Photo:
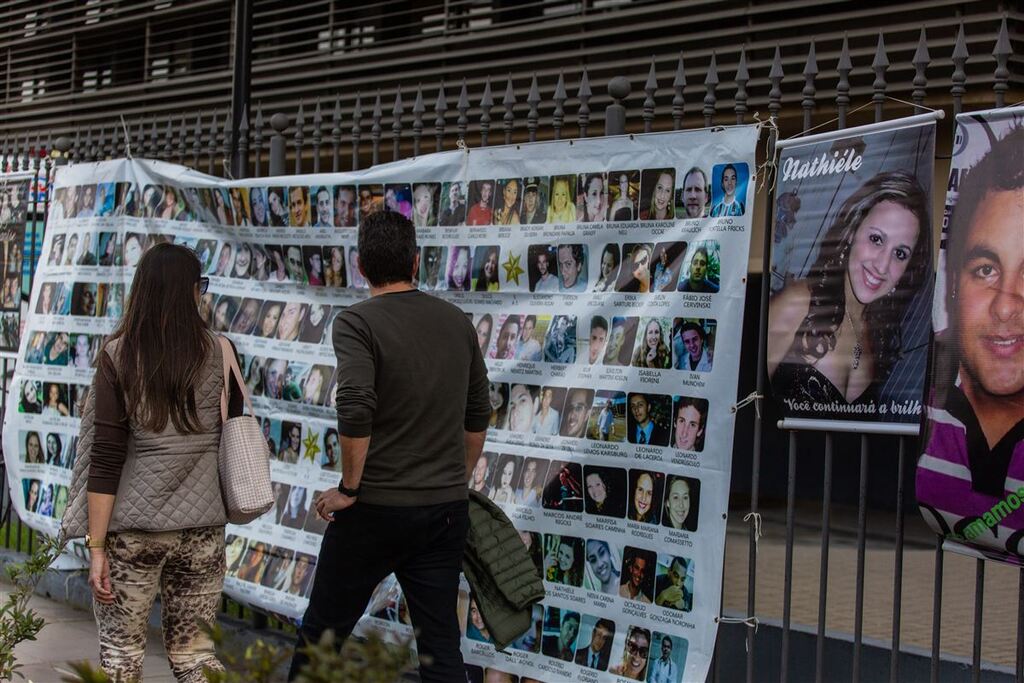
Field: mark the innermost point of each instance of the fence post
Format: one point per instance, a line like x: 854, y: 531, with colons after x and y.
x: 241, y: 85
x: 63, y: 146
x: 615, y: 113
x: 279, y: 122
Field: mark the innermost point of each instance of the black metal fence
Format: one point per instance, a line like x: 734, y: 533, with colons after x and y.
x: 844, y: 92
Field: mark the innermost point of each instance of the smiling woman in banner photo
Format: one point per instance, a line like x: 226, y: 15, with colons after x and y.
x: 839, y: 331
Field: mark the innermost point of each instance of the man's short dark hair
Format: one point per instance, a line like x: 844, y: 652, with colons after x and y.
x: 598, y: 322
x: 727, y: 167
x: 576, y: 250
x: 690, y: 325
x: 387, y: 248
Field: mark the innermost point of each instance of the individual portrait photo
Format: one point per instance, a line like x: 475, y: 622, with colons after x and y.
x: 561, y: 629
x: 205, y: 250
x: 254, y: 562
x: 293, y: 512
x: 648, y: 419
x: 81, y: 249
x: 666, y: 263
x: 645, y: 495
x: 314, y: 323
x: 453, y: 203
x: 105, y: 198
x: 298, y: 206
x: 542, y: 267
x: 83, y: 299
x: 509, y: 201
x: 594, y: 646
x: 355, y: 277
x: 152, y: 199
x: 224, y: 264
x: 564, y: 489
x: 701, y: 272
x: 560, y: 341
x: 330, y: 456
x: 693, y: 196
x: 597, y: 339
x: 562, y: 207
x: 433, y: 262
x: 224, y: 312
x: 623, y: 195
x: 258, y: 211
x: 248, y: 316
x: 291, y: 442
x: 224, y: 210
x: 55, y: 352
x: 522, y: 403
x: 111, y: 298
x: 291, y: 388
x: 476, y: 629
x: 608, y: 267
x: 592, y: 198
x: 80, y: 351
x: 65, y: 203
x: 603, y: 572
x: 109, y: 249
x: 371, y: 200
x: 56, y: 255
x: 480, y: 202
x: 572, y: 268
x: 657, y: 191
x: 345, y: 206
x: 652, y: 349
x: 532, y: 332
x: 530, y: 487
x: 294, y: 263
x: 86, y: 201
x: 674, y: 587
x: 271, y: 432
x: 302, y: 574
x: 314, y: 384
x: 635, y: 272
x: 172, y: 205
x: 425, y: 199
x: 206, y: 302
x: 563, y: 559
x: 56, y: 454
x: 135, y: 245
x: 47, y: 297
x: 576, y: 412
x: 31, y: 451
x: 334, y: 266
x: 607, y: 421
x: 398, y: 199
x: 277, y: 203
x: 460, y: 264
x: 274, y: 378
x: 621, y: 338
x: 485, y: 273
x: 79, y: 396
x: 36, y: 347
x: 534, y: 543
x: 30, y: 490
x: 605, y: 491
x: 279, y: 570
x: 548, y: 414
x: 728, y: 189
x: 241, y: 268
x: 638, y: 571
x: 693, y: 344
x: 323, y: 206
x: 206, y: 211
x: 313, y: 260
x: 506, y: 474
x: 535, y: 201
x: 690, y: 416
x: 483, y: 470
x: 668, y: 658
x: 682, y: 503
x: 125, y: 202
x: 273, y: 264
x: 484, y: 327
x: 314, y: 524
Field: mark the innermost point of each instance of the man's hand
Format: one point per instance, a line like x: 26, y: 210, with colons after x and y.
x: 330, y: 501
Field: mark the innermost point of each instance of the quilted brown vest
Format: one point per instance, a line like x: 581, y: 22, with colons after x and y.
x: 169, y: 480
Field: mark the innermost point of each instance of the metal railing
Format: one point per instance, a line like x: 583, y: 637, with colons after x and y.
x: 320, y: 139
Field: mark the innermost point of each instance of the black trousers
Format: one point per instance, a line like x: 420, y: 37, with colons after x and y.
x: 423, y: 547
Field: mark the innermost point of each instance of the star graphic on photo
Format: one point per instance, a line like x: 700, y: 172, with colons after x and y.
x: 310, y: 442
x: 512, y: 268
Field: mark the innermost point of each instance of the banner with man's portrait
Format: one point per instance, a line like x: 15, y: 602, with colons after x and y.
x: 970, y: 475
x: 851, y: 275
x: 14, y: 204
x: 608, y: 304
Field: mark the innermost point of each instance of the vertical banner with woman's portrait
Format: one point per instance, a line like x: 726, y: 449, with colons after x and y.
x: 14, y: 201
x: 851, y: 276
x: 970, y: 476
x: 606, y: 280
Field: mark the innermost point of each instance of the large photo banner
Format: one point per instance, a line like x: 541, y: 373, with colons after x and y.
x: 14, y: 205
x: 970, y: 476
x: 606, y: 281
x: 851, y: 275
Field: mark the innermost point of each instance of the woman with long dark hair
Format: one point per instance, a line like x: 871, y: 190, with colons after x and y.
x: 151, y: 493
x: 845, y: 318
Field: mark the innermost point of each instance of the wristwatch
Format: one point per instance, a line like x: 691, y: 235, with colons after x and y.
x: 91, y: 542
x: 351, y: 493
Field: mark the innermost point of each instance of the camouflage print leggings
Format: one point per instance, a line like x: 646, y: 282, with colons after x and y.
x: 187, y: 568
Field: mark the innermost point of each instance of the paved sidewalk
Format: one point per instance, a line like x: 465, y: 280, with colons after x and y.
x: 70, y: 635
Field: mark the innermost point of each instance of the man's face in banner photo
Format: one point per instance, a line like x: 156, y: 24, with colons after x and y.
x: 989, y: 301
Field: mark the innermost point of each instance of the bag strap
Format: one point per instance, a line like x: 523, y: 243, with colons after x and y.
x: 231, y: 368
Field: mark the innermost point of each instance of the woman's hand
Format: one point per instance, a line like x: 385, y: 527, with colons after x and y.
x: 99, y: 576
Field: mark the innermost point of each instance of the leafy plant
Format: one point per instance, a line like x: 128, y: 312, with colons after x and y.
x: 18, y: 622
